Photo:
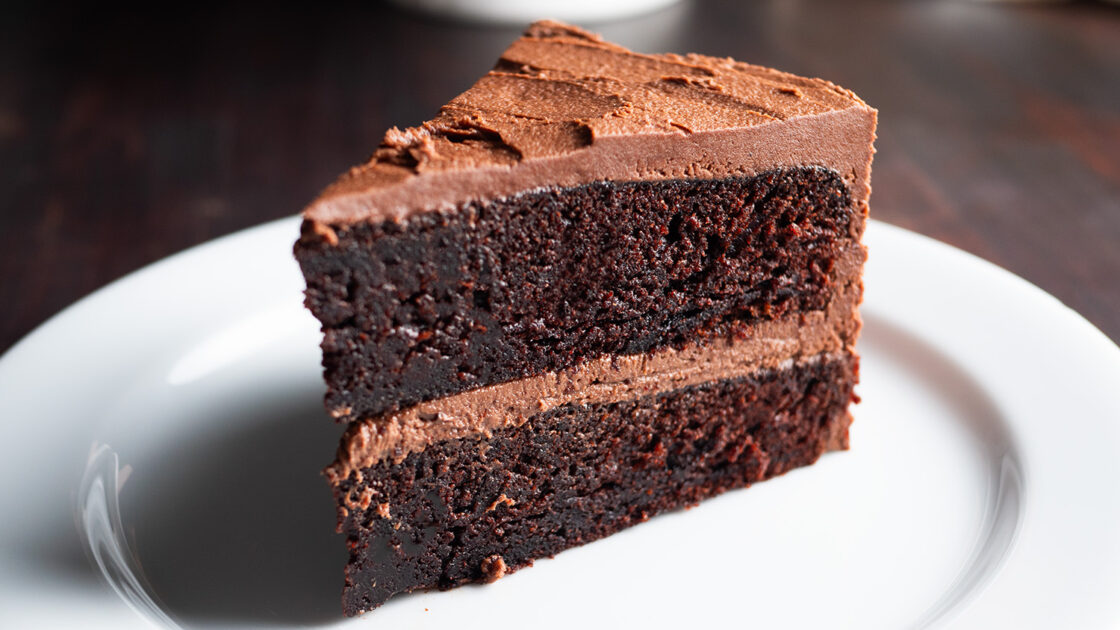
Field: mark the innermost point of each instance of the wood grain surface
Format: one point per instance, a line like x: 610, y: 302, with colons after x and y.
x: 125, y: 137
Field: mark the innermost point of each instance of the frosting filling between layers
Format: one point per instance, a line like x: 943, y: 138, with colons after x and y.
x: 767, y: 345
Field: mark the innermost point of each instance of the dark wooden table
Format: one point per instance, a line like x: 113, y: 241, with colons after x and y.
x: 127, y: 137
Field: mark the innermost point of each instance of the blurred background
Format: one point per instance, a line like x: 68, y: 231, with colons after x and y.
x: 128, y: 136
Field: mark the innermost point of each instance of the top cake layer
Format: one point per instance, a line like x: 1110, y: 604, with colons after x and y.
x: 564, y: 108
x: 582, y: 201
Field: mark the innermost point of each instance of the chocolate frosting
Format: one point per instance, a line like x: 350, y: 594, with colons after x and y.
x: 768, y: 345
x: 564, y: 108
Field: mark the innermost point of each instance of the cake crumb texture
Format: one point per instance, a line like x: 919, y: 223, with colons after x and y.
x: 579, y: 473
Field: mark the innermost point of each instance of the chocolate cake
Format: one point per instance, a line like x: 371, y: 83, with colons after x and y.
x: 597, y: 286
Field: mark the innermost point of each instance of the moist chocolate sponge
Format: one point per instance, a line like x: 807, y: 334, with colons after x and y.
x: 497, y: 290
x: 470, y: 510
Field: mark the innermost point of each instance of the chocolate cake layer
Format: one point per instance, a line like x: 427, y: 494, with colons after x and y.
x: 473, y: 509
x: 499, y: 290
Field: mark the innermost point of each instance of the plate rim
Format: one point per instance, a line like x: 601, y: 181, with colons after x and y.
x: 1096, y: 347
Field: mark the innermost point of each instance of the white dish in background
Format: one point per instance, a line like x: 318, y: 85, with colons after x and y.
x: 979, y: 492
x: 522, y: 12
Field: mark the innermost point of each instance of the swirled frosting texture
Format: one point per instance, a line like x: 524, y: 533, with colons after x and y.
x: 563, y: 108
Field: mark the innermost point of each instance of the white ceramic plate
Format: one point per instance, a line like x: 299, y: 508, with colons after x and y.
x: 980, y: 490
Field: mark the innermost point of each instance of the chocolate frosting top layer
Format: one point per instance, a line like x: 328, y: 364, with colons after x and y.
x: 564, y: 108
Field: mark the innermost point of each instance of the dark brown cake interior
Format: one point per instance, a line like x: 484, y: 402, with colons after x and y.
x: 508, y: 288
x: 470, y: 510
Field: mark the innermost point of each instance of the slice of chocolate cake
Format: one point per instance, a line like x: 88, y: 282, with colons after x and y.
x: 599, y: 285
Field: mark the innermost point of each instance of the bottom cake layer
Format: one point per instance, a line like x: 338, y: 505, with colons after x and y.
x: 473, y: 509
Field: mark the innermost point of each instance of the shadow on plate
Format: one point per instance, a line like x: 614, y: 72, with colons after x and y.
x: 985, y: 420
x: 235, y: 523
